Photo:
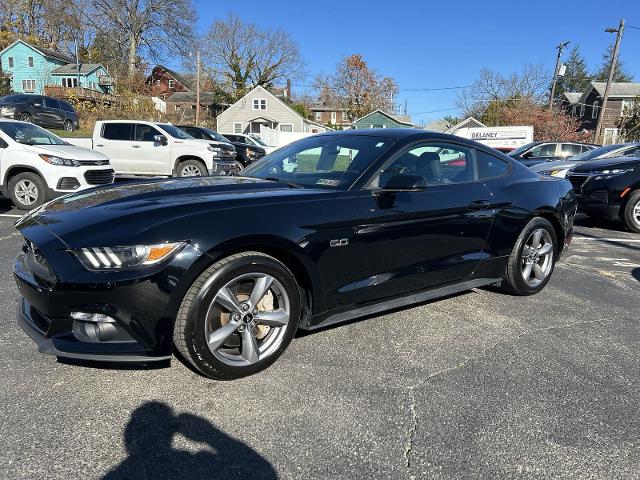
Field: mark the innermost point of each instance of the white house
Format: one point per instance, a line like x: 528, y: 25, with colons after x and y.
x: 261, y: 113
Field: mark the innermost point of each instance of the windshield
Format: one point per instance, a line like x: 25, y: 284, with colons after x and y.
x: 331, y: 161
x: 30, y: 134
x: 216, y: 136
x: 521, y: 149
x: 595, y: 153
x: 175, y: 132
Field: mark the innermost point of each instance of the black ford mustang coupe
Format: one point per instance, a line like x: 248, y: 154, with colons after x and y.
x: 329, y: 228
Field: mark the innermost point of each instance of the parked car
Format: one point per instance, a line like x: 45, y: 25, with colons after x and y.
x: 609, y: 188
x: 36, y: 165
x: 560, y: 168
x: 228, y: 268
x: 241, y: 138
x: 245, y: 153
x: 539, y: 152
x: 43, y: 111
x: 149, y: 148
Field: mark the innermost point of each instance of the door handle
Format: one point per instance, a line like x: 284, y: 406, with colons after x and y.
x: 480, y: 205
x: 100, y: 145
x: 135, y: 146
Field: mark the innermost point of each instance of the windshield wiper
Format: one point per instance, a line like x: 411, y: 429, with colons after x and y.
x: 286, y: 182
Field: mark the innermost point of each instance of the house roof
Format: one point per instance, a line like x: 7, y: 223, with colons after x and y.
x: 183, y: 79
x: 388, y: 115
x: 466, y: 123
x: 439, y: 126
x: 617, y: 89
x: 72, y: 69
x: 573, y: 97
x: 47, y: 52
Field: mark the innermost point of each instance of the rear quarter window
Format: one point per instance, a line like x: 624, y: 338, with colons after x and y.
x: 489, y: 166
x: 117, y: 131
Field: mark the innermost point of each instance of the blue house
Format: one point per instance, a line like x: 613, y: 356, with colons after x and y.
x: 36, y: 70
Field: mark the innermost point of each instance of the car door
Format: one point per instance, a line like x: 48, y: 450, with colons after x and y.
x: 51, y: 110
x: 38, y: 111
x: 540, y: 153
x: 115, y: 141
x: 568, y: 150
x: 149, y: 156
x: 409, y: 241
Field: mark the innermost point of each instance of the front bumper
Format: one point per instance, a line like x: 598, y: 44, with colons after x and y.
x: 224, y: 167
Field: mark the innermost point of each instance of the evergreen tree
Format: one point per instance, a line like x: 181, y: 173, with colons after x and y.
x: 576, y: 76
x: 602, y: 73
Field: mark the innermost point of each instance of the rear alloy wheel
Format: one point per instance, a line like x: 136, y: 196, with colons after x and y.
x: 27, y: 191
x: 632, y: 212
x: 68, y: 126
x: 532, y: 260
x: 191, y: 168
x: 25, y: 117
x: 238, y: 316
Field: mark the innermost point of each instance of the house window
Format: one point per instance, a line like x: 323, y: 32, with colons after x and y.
x: 70, y: 82
x: 286, y: 127
x: 30, y: 60
x: 318, y: 116
x: 158, y: 82
x: 28, y: 86
x: 178, y: 106
x: 610, y: 136
x: 573, y: 110
x: 259, y: 103
x: 171, y: 83
x: 595, y: 109
x: 627, y: 107
x: 582, y: 110
x: 237, y: 128
x: 193, y: 106
x: 345, y: 117
x: 10, y: 62
x: 334, y: 117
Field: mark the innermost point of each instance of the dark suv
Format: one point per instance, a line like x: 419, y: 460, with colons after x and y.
x: 246, y: 154
x: 43, y: 111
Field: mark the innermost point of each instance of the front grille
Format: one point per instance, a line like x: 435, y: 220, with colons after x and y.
x: 94, y: 162
x: 578, y: 181
x: 99, y: 177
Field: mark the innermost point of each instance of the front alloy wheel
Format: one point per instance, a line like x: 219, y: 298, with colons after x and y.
x: 537, y: 257
x: 238, y: 316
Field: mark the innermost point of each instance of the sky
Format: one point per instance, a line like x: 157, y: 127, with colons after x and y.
x: 423, y: 44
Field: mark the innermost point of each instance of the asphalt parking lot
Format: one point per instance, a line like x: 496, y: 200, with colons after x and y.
x: 475, y: 385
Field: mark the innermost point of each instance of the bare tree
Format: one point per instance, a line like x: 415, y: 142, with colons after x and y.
x: 146, y: 27
x: 245, y: 55
x: 531, y: 83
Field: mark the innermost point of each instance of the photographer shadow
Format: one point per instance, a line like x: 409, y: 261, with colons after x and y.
x: 149, y: 438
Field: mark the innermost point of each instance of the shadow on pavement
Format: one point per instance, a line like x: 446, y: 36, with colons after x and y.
x: 591, y: 222
x: 149, y: 439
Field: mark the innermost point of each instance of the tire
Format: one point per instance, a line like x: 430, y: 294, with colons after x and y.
x: 631, y: 215
x: 191, y: 168
x: 68, y: 126
x: 27, y: 190
x: 523, y: 255
x: 240, y: 165
x: 25, y: 117
x: 207, y: 313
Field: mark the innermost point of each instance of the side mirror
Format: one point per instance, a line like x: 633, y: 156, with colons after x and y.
x: 160, y: 139
x: 36, y: 105
x: 404, y: 183
x: 528, y: 154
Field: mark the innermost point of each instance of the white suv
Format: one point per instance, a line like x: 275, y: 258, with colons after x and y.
x: 36, y: 165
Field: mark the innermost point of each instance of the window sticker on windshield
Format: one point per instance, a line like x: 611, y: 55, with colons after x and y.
x: 379, y: 144
x: 328, y: 182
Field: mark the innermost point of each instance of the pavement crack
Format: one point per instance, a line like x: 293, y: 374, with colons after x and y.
x: 412, y: 430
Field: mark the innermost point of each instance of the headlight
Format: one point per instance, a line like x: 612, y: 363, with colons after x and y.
x: 7, y: 110
x: 115, y: 258
x: 610, y: 173
x: 560, y: 172
x: 64, y: 162
x: 214, y: 149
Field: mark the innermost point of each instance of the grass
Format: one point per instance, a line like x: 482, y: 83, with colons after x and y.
x: 74, y: 134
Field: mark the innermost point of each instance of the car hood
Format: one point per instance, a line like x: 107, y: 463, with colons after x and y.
x: 604, y: 163
x: 67, y: 151
x: 556, y: 165
x: 135, y: 207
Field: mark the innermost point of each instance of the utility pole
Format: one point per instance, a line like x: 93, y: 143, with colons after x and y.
x: 560, y: 48
x: 612, y: 69
x: 197, y: 88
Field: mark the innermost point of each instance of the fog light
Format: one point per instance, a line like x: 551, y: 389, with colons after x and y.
x: 92, y: 317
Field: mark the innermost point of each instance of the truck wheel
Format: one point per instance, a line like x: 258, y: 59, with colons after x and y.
x: 191, y: 168
x: 632, y: 212
x: 68, y: 126
x: 27, y: 191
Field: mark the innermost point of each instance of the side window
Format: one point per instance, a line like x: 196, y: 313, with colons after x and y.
x: 438, y: 163
x: 117, y: 131
x: 570, y: 149
x: 632, y: 152
x: 145, y: 133
x: 51, y: 103
x: 194, y: 132
x: 65, y: 106
x: 232, y: 138
x: 488, y: 166
x: 544, y: 150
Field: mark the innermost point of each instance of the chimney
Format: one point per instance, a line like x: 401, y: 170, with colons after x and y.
x: 287, y: 93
